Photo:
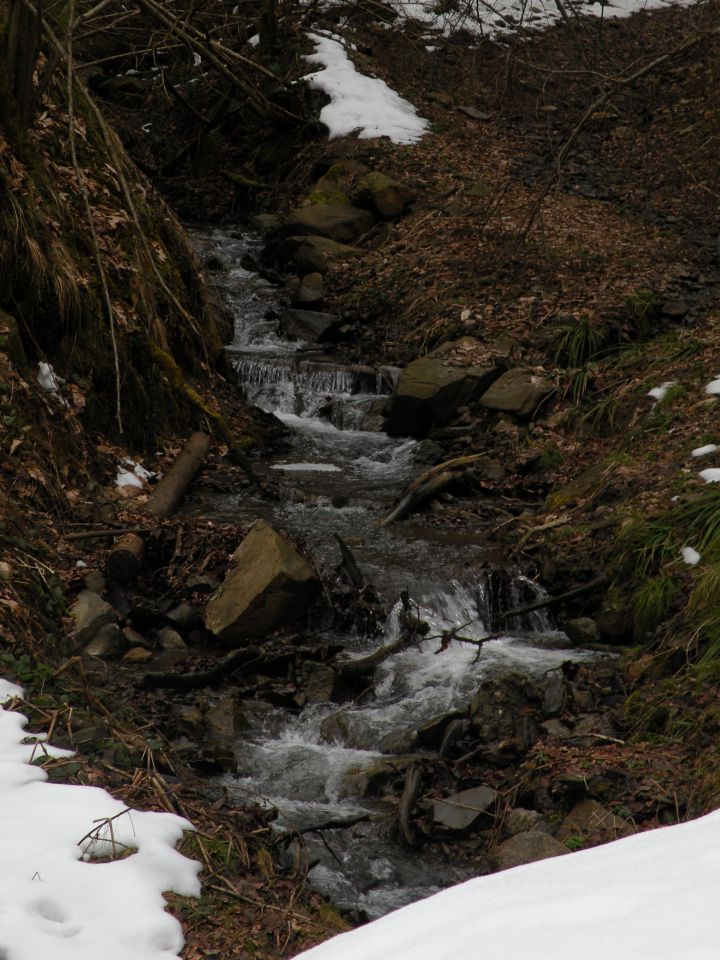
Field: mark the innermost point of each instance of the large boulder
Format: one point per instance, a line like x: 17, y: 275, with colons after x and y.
x: 336, y: 221
x: 315, y: 254
x: 431, y: 389
x: 518, y: 391
x: 269, y: 585
x: 386, y: 197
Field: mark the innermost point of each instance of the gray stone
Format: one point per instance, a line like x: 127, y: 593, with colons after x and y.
x: 318, y: 681
x: 431, y: 733
x: 526, y: 847
x: 335, y: 728
x: 186, y: 615
x: 225, y: 720
x: 388, y: 198
x: 521, y: 820
x: 554, y: 728
x: 170, y: 641
x: 336, y: 221
x: 590, y: 821
x: 316, y: 254
x: 474, y: 114
x: 89, y: 613
x: 460, y: 811
x: 431, y: 389
x: 269, y: 585
x: 187, y: 720
x: 518, y: 391
x: 398, y: 742
x: 201, y: 583
x: 309, y: 324
x: 554, y: 690
x: 108, y: 643
x: 94, y: 581
x: 310, y: 291
x: 582, y: 630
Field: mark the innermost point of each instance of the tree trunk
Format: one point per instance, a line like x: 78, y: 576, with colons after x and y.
x: 21, y: 49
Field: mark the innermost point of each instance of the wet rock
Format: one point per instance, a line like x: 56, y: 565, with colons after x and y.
x: 555, y: 691
x: 334, y: 729
x: 591, y: 822
x: 269, y: 585
x: 186, y: 615
x: 460, y: 811
x: 582, y: 630
x: 504, y: 712
x: 187, y: 720
x: 310, y: 291
x: 431, y: 733
x: 266, y: 222
x: 170, y: 641
x: 427, y: 453
x: 89, y: 613
x: 372, y: 781
x: 108, y: 643
x: 521, y: 820
x: 518, y: 391
x: 200, y: 583
x: 336, y: 221
x: 309, y: 324
x: 206, y: 759
x: 615, y: 622
x: 399, y: 742
x: 225, y: 720
x: 431, y: 389
x: 526, y: 847
x: 386, y: 197
x: 318, y: 254
x: 138, y: 655
x: 133, y: 638
x: 318, y: 681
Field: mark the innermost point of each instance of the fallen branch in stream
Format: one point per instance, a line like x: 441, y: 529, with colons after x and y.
x: 200, y: 678
x: 407, y: 800
x: 594, y: 584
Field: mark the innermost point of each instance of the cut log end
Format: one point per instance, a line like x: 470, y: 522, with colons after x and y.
x: 125, y: 558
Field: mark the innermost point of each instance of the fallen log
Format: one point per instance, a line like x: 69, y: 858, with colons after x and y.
x: 200, y: 678
x: 126, y: 555
x: 409, y: 795
x: 428, y: 483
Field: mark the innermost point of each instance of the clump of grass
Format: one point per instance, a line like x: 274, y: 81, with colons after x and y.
x: 578, y: 343
x: 652, y: 603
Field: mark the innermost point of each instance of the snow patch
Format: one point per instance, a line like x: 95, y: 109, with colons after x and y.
x: 359, y: 104
x: 48, y: 379
x: 652, y: 895
x: 657, y: 393
x: 713, y: 387
x: 55, y: 904
x: 704, y: 451
x: 690, y: 556
x: 132, y: 474
x: 711, y: 475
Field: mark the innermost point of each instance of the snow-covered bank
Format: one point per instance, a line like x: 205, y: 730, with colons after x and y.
x: 360, y: 104
x: 57, y: 900
x: 653, y: 895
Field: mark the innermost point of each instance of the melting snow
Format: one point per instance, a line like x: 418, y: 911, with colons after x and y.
x: 703, y: 451
x: 690, y: 556
x: 713, y: 387
x: 657, y: 393
x: 55, y: 904
x: 653, y: 895
x: 711, y: 475
x: 360, y: 104
x: 48, y: 379
x: 131, y: 474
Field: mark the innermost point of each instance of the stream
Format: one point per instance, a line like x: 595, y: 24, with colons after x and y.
x: 340, y: 475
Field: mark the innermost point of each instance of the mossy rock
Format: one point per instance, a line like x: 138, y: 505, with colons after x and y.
x: 386, y: 197
x: 325, y: 196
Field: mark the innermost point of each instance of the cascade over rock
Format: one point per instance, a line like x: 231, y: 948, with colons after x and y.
x: 432, y: 388
x: 269, y: 585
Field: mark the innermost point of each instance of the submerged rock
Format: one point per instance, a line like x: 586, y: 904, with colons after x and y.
x: 269, y: 585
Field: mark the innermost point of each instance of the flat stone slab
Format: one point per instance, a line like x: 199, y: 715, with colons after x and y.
x: 461, y: 810
x: 518, y: 391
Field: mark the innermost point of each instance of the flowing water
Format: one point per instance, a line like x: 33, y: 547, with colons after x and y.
x: 340, y: 475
